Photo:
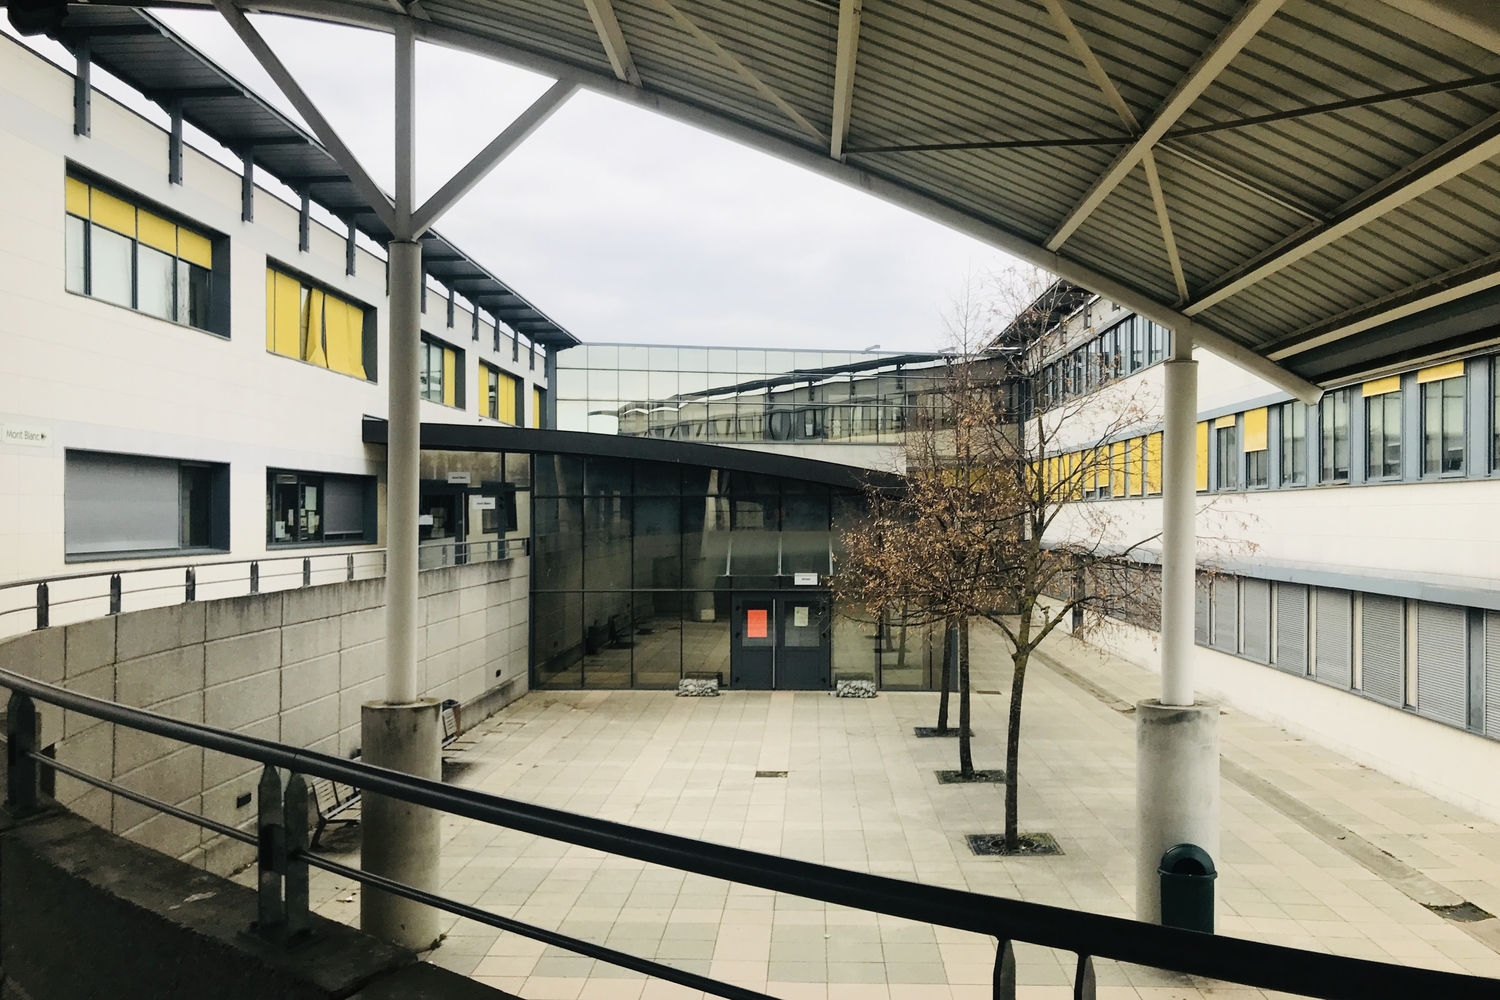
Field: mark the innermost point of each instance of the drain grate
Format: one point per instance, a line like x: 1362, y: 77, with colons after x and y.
x: 927, y: 732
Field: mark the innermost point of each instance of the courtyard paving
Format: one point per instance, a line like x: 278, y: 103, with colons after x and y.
x: 1317, y: 851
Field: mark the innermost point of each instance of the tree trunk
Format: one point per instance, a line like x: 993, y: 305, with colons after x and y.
x: 965, y: 750
x: 947, y: 680
x: 1013, y: 753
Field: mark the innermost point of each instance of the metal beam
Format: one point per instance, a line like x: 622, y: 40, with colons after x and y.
x: 174, y: 144
x: 83, y: 89
x: 1235, y: 36
x: 816, y: 161
x: 1454, y: 157
x: 850, y: 12
x: 308, y: 110
x: 304, y: 221
x: 489, y: 157
x: 1112, y: 95
x: 602, y: 12
x: 247, y: 186
x: 350, y: 250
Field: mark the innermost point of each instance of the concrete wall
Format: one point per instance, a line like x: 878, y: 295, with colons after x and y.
x: 292, y: 666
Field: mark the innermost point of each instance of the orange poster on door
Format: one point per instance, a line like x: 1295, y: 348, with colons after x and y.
x: 755, y: 623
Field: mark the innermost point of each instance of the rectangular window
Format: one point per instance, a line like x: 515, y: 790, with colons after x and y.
x: 1443, y: 396
x: 502, y: 395
x: 1294, y: 444
x: 130, y: 256
x: 536, y: 407
x: 1495, y: 418
x: 1226, y: 440
x: 1133, y: 466
x: 1158, y: 342
x: 440, y: 372
x: 1118, y: 486
x: 115, y: 505
x: 313, y: 325
x: 1201, y: 482
x: 1334, y: 414
x: 1383, y: 428
x: 309, y: 508
x: 1257, y: 449
x: 1137, y: 327
x: 1153, y: 464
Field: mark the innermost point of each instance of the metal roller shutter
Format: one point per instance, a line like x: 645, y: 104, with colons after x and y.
x: 1383, y: 647
x: 1226, y: 616
x: 1442, y: 663
x: 1256, y: 595
x: 1201, y: 611
x: 1333, y: 662
x: 1492, y: 673
x: 1291, y: 628
x: 120, y: 503
x: 343, y: 507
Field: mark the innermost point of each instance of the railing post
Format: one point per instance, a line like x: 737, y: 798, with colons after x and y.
x: 294, y: 818
x: 114, y: 593
x: 190, y: 585
x: 271, y: 855
x: 307, y: 571
x: 43, y: 610
x: 1005, y: 971
x: 21, y: 771
x: 1083, y: 979
x: 349, y: 562
x: 255, y: 578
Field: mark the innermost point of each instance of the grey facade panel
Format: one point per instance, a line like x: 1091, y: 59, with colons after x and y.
x: 1202, y: 610
x: 1333, y: 662
x: 1442, y: 663
x: 1383, y: 647
x: 1256, y: 611
x: 1492, y: 673
x: 1291, y: 628
x: 1226, y: 614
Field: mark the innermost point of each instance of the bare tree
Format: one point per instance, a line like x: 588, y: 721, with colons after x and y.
x: 991, y: 523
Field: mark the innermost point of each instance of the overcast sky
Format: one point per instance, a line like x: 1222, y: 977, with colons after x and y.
x: 621, y: 224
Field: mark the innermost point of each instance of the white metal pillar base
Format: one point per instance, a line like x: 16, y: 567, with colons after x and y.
x: 399, y: 840
x: 1176, y: 790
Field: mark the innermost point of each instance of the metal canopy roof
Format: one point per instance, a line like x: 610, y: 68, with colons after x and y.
x: 1277, y: 177
x: 146, y: 54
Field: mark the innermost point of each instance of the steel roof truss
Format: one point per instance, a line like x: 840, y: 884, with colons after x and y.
x: 850, y: 12
x: 602, y: 13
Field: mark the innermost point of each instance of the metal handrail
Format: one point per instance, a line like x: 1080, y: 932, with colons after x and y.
x: 1250, y: 963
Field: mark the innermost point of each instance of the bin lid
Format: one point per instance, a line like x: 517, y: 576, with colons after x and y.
x: 1187, y: 859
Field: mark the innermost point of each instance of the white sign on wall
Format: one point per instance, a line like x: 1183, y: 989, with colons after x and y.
x: 26, y: 434
x: 484, y: 503
x: 804, y: 579
x: 460, y: 478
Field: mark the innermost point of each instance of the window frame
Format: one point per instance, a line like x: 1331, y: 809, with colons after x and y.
x: 369, y: 352
x: 1462, y: 435
x: 1377, y: 459
x: 302, y: 478
x: 213, y: 475
x: 1328, y: 437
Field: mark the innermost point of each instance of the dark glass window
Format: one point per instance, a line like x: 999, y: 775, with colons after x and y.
x: 1335, y: 437
x: 1228, y: 456
x: 309, y: 507
x: 1294, y: 444
x: 1383, y: 435
x: 1443, y: 426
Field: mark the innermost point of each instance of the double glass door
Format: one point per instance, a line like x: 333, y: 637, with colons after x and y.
x: 781, y: 642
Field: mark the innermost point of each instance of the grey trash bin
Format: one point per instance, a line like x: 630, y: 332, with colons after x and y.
x: 1187, y: 888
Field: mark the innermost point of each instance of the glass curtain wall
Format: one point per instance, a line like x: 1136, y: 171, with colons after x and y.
x: 635, y: 565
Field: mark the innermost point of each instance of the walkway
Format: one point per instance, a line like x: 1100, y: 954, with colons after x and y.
x: 1303, y: 863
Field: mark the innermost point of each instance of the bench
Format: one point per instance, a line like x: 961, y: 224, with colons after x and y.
x: 450, y: 721
x: 332, y: 802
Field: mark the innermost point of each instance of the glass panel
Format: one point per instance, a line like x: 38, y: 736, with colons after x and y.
x: 754, y: 545
x: 692, y: 359
x: 155, y: 282
x: 906, y: 652
x: 606, y: 543
x: 633, y: 385
x: 603, y: 356
x: 705, y: 540
x: 193, y: 283
x: 661, y: 384
x: 657, y: 479
x: 76, y: 255
x: 109, y: 266
x: 572, y: 384
x: 658, y: 639
x: 558, y: 475
x: 603, y: 423
x: 662, y: 359
x: 572, y: 415
x: 603, y: 385
x: 517, y: 469
x: 802, y: 623
x: 557, y: 639
x: 634, y: 359
x: 608, y: 639
x: 804, y: 535
x: 705, y: 632
x: 608, y: 477
x: 557, y: 544
x: 197, y: 506
x: 658, y: 543
x: 722, y: 362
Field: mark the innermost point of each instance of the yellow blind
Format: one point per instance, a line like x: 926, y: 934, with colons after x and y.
x: 1381, y: 386
x: 536, y: 407
x: 312, y: 330
x: 450, y: 388
x: 1255, y: 430
x: 1133, y: 467
x: 509, y: 386
x: 1224, y: 421
x: 1117, y: 469
x: 1153, y: 464
x: 283, y: 314
x: 343, y: 334
x: 157, y: 232
x: 1452, y: 369
x: 76, y: 196
x: 112, y: 213
x: 194, y: 248
x: 1202, y: 476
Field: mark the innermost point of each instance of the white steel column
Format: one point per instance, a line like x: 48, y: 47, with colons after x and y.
x: 1177, y: 738
x: 402, y: 841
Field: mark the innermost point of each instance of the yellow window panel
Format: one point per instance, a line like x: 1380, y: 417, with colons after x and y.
x: 1225, y: 421
x: 1133, y: 467
x: 285, y: 324
x: 76, y: 196
x: 509, y: 388
x: 1452, y: 369
x: 450, y: 388
x: 343, y: 333
x: 157, y: 232
x: 536, y: 407
x: 313, y: 350
x: 1202, y: 476
x: 1153, y: 464
x: 1255, y: 430
x: 195, y: 249
x: 1117, y: 485
x: 1381, y: 386
x: 112, y: 213
x: 270, y: 309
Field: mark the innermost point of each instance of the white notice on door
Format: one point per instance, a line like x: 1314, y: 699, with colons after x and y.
x: 799, y: 616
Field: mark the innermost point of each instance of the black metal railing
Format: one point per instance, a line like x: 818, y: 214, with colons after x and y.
x: 27, y: 604
x: 284, y: 857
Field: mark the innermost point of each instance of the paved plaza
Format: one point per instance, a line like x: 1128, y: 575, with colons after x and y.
x: 1318, y: 852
